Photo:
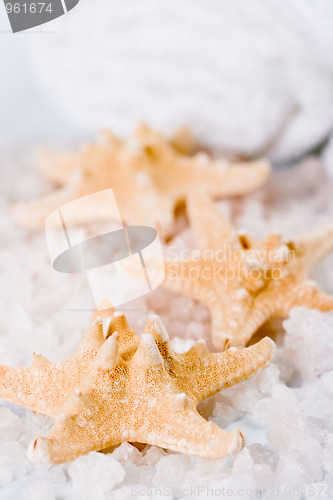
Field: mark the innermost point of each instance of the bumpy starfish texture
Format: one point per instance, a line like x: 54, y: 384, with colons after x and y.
x: 149, y: 176
x: 45, y: 386
x: 245, y: 282
x: 136, y: 389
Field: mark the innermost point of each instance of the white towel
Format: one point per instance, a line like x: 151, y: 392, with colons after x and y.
x: 248, y: 77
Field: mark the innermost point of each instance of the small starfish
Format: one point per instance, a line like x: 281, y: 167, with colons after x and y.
x: 149, y: 176
x: 136, y: 389
x: 242, y: 281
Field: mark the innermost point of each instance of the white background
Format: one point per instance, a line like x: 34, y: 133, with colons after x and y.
x: 25, y: 110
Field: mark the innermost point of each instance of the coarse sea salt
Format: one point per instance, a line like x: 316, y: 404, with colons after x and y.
x: 40, y: 311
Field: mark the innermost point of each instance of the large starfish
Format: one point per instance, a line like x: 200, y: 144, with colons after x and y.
x: 245, y: 282
x: 149, y: 176
x: 135, y: 389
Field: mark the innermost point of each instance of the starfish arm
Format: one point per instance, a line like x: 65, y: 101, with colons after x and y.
x: 150, y: 208
x: 179, y: 430
x: 211, y: 373
x: 234, y: 326
x: 186, y: 277
x: 45, y: 386
x: 94, y: 416
x: 210, y: 226
x: 231, y: 180
x: 32, y: 214
x: 313, y: 246
x: 75, y: 435
x: 58, y: 166
x: 304, y: 294
x: 183, y: 141
x: 185, y: 431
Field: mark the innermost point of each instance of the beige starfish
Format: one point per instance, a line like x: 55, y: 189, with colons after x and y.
x: 148, y: 174
x: 137, y: 389
x: 245, y: 282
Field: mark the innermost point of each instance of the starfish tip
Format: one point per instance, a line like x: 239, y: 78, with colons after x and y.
x: 38, y: 451
x: 156, y: 325
x: 237, y: 441
x: 148, y: 353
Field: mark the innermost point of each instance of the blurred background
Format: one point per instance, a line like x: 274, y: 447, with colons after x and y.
x: 253, y: 78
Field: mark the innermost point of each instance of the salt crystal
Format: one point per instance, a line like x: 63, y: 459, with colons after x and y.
x: 320, y: 408
x: 326, y: 381
x: 139, y: 474
x: 95, y: 474
x: 243, y: 462
x: 152, y: 455
x: 172, y: 469
x: 38, y: 491
x: 309, y: 341
x: 328, y: 454
x: 7, y: 470
x: 264, y: 466
x: 286, y: 367
x: 132, y: 473
x: 288, y: 428
x: 291, y: 476
x: 15, y: 453
x: 261, y: 455
x: 300, y: 466
x: 243, y: 396
x: 55, y: 475
x: 127, y: 453
x: 320, y: 430
x: 265, y: 380
x: 10, y: 425
x: 236, y: 486
x: 282, y: 399
x: 329, y: 479
x: 225, y: 412
x: 263, y: 475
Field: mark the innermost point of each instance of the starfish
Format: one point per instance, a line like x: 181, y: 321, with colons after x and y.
x: 149, y: 175
x: 134, y: 389
x: 245, y: 282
